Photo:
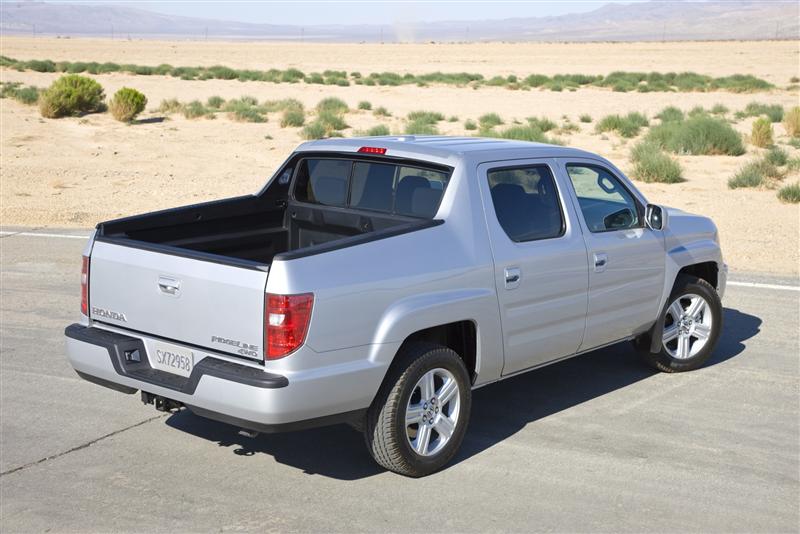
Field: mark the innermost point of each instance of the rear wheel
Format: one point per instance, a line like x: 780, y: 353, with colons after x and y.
x: 418, y: 419
x: 692, y: 325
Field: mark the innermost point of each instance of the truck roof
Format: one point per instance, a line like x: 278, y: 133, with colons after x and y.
x: 446, y: 147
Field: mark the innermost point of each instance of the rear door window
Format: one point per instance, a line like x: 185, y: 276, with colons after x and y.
x: 370, y: 185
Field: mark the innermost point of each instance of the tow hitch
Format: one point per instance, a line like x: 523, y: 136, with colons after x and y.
x: 162, y: 404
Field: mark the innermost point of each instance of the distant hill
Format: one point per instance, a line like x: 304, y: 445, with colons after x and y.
x: 650, y: 21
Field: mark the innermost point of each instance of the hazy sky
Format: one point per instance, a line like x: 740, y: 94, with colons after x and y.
x: 363, y: 11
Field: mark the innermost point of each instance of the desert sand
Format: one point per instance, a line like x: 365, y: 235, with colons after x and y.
x: 74, y: 172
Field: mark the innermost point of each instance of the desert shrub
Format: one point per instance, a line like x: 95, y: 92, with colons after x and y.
x: 740, y: 83
x: 700, y: 135
x: 126, y: 104
x: 793, y: 164
x: 470, y: 124
x: 71, y: 94
x: 777, y: 156
x: 333, y: 105
x: 26, y: 95
x: 194, y: 109
x: 585, y: 117
x: 281, y: 105
x: 381, y: 129
x: 292, y: 76
x: 315, y: 130
x: 332, y: 121
x: 755, y: 109
x: 421, y: 127
x: 215, y: 102
x: 521, y: 133
x: 719, y: 109
x: 292, y: 117
x: 381, y: 112
x: 790, y: 193
x: 489, y: 120
x: 222, y: 73
x: 761, y: 134
x: 651, y: 164
x: 670, y: 113
x: 170, y: 105
x: 626, y: 126
x: 425, y: 117
x: 542, y: 123
x: 754, y: 174
x: 452, y: 118
x: 791, y: 121
x: 315, y: 77
x: 365, y: 105
x: 40, y: 65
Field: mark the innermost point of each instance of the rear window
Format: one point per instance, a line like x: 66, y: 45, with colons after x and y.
x: 371, y: 185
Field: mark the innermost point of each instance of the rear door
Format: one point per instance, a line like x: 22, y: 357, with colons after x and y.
x: 626, y: 259
x: 202, y: 303
x: 540, y: 261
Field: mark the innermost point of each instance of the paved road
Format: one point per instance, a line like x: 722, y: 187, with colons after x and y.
x: 595, y: 443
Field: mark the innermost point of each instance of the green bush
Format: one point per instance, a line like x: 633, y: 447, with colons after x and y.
x: 790, y: 193
x: 542, y: 123
x: 670, y: 113
x: 381, y: 112
x: 378, y: 130
x: 292, y: 117
x: 521, y: 133
x: 332, y: 105
x: 791, y: 121
x: 315, y: 130
x: 777, y: 156
x: 365, y: 105
x: 754, y: 174
x: 489, y: 120
x: 25, y: 95
x: 215, y: 102
x: 626, y: 126
x: 71, y: 94
x: 421, y: 128
x: 651, y: 164
x: 425, y: 117
x: 332, y: 121
x: 585, y: 118
x: 126, y: 104
x: 761, y: 135
x: 699, y: 135
x: 755, y: 109
x: 719, y: 109
x: 194, y: 110
x: 470, y: 124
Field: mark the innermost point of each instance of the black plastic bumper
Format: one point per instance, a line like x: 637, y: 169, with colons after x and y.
x: 118, y: 345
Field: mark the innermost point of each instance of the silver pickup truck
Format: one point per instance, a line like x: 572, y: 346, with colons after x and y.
x: 378, y: 281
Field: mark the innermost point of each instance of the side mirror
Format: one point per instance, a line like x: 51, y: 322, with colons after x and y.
x: 656, y: 217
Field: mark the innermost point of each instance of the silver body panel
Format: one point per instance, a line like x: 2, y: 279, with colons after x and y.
x: 370, y: 297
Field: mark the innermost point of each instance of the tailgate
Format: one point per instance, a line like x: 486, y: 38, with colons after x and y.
x: 202, y: 303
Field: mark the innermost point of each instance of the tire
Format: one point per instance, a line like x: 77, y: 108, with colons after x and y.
x: 685, y: 318
x: 403, y: 448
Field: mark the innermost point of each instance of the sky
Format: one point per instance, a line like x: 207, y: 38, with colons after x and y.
x: 310, y: 12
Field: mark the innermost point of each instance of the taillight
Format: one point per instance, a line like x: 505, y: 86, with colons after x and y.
x: 286, y: 319
x: 372, y: 150
x: 85, y: 286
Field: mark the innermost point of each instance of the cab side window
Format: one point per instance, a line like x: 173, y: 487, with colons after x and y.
x: 606, y: 204
x: 526, y: 202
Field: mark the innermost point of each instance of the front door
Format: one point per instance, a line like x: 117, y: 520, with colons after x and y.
x: 541, y: 271
x: 626, y: 258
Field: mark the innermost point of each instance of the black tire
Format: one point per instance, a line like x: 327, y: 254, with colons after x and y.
x: 385, y: 429
x: 662, y: 360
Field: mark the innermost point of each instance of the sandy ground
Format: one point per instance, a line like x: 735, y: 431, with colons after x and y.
x: 78, y: 171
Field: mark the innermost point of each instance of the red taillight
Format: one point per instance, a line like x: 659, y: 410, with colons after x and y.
x: 372, y: 150
x: 85, y: 286
x: 286, y: 319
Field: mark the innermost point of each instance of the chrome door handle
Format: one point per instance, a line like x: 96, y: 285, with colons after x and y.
x: 170, y: 286
x: 600, y: 261
x: 512, y: 276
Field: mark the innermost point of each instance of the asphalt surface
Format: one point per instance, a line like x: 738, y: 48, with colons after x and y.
x: 595, y: 443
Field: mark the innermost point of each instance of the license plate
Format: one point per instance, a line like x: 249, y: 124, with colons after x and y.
x: 172, y: 358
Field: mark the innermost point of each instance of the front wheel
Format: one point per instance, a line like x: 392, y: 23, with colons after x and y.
x: 418, y: 419
x: 692, y: 325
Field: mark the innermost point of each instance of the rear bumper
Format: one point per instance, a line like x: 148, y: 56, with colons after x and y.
x: 218, y: 389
